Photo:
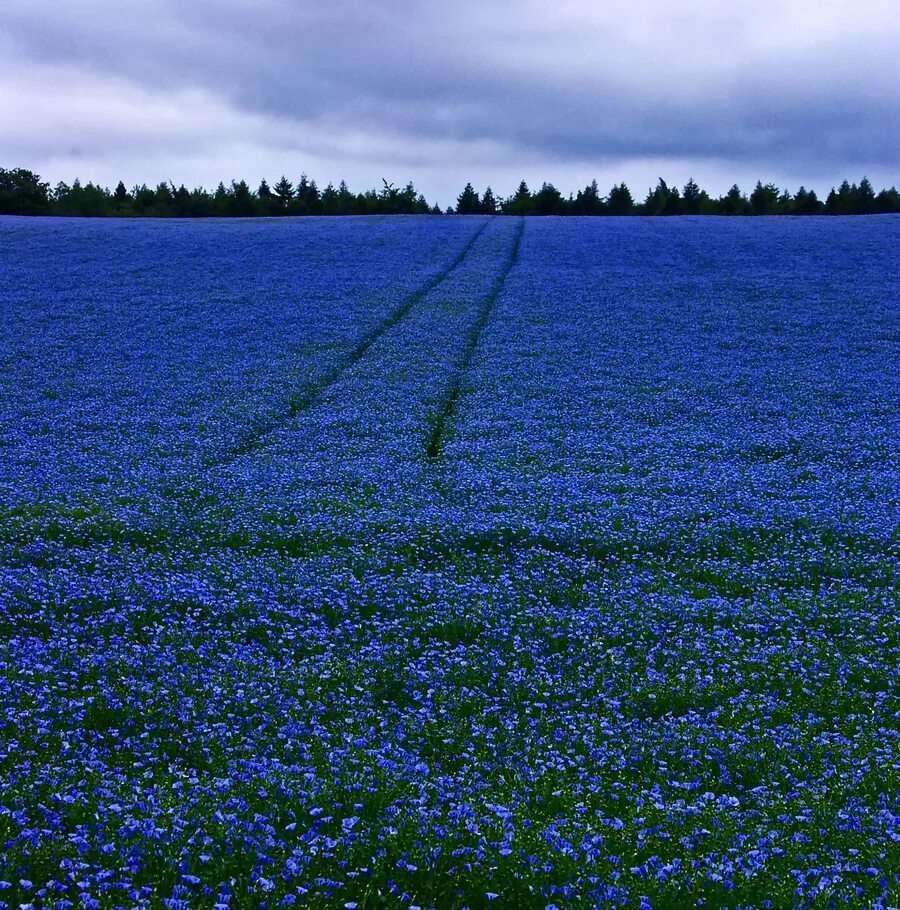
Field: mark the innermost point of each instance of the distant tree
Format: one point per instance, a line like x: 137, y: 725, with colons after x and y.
x: 182, y: 203
x: 662, y: 200
x: 842, y: 201
x: 164, y: 199
x: 307, y: 199
x: 548, y: 201
x: 346, y: 199
x: 241, y: 201
x: 888, y: 200
x: 142, y: 199
x: 865, y: 200
x: 520, y: 203
x: 267, y: 202
x: 694, y: 201
x: 202, y: 204
x: 121, y: 195
x: 23, y: 193
x: 331, y: 200
x: 656, y: 199
x: 408, y: 202
x: 806, y: 202
x: 313, y: 199
x: 468, y: 203
x: 284, y: 190
x: 385, y: 201
x: 87, y: 201
x: 619, y: 200
x: 734, y: 202
x: 489, y: 202
x: 221, y: 200
x: 588, y: 201
x: 764, y: 199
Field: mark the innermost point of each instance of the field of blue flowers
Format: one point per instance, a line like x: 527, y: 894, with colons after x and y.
x: 449, y: 562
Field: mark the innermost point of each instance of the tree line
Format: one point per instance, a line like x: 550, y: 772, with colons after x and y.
x: 765, y: 199
x: 22, y: 192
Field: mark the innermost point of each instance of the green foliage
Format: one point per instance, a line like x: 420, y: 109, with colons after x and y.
x: 23, y: 193
x: 548, y: 201
x: 662, y: 200
x: 806, y: 202
x: 764, y: 199
x: 734, y: 202
x: 468, y: 201
x: 520, y: 203
x: 489, y: 204
x: 588, y: 201
x: 619, y: 200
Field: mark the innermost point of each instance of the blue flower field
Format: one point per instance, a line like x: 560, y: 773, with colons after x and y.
x: 452, y: 562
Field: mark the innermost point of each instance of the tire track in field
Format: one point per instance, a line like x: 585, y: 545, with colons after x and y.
x: 307, y: 396
x: 444, y: 418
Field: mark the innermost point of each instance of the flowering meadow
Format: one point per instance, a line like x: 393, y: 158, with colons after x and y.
x: 453, y: 562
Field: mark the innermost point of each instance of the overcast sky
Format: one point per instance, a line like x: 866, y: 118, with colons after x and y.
x: 492, y: 91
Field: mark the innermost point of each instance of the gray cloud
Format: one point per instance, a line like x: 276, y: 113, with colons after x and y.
x: 780, y: 88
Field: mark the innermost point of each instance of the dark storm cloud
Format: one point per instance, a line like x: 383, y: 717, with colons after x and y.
x: 787, y: 85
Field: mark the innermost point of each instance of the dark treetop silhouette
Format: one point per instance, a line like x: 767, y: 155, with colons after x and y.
x: 22, y: 192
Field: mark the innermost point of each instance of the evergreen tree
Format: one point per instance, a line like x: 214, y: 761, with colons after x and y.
x: 888, y: 200
x: 734, y: 202
x: 520, y: 203
x: 489, y: 203
x: 267, y: 202
x: 202, y: 205
x: 806, y: 202
x: 588, y: 201
x: 346, y: 199
x: 164, y: 199
x: 331, y: 200
x: 241, y: 201
x: 468, y: 203
x: 307, y: 199
x: 548, y: 201
x: 619, y: 201
x: 657, y: 199
x: 694, y: 201
x: 182, y: 206
x: 221, y: 200
x: 842, y: 201
x: 284, y: 190
x: 864, y: 203
x: 764, y: 199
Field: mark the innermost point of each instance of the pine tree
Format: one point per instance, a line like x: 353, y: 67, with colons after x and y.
x: 284, y: 190
x: 619, y: 201
x: 468, y: 203
x: 734, y: 202
x: 489, y: 202
x: 520, y: 203
x: 694, y: 201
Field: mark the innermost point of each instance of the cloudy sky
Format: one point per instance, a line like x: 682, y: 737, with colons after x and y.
x: 492, y: 91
